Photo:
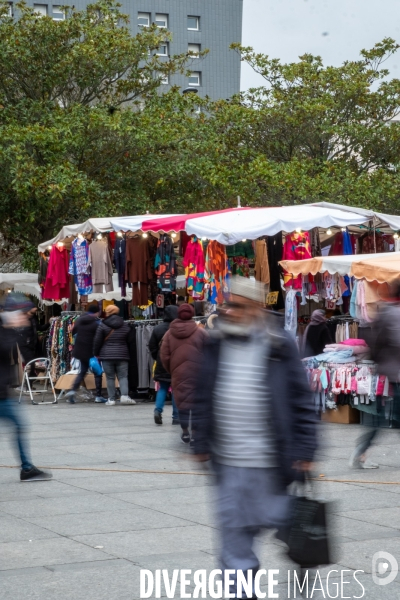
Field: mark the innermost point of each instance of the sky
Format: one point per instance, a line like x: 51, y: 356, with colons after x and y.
x: 336, y: 30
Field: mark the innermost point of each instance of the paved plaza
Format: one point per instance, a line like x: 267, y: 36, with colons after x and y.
x: 86, y: 534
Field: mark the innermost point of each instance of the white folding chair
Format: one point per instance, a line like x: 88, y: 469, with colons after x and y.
x: 45, y: 362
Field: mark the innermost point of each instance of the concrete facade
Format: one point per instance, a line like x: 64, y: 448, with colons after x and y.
x: 219, y: 25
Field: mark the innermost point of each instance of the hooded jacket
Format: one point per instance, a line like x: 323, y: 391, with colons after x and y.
x: 160, y: 374
x: 181, y: 354
x: 115, y: 346
x: 292, y: 411
x: 85, y: 329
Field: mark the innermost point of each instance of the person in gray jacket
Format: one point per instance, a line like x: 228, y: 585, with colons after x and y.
x: 111, y: 347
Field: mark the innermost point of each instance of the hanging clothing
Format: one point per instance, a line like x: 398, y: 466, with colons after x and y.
x: 78, y: 266
x: 43, y: 266
x: 241, y: 249
x: 261, y: 267
x: 194, y: 264
x: 216, y: 272
x: 297, y: 247
x: 120, y: 263
x: 274, y: 254
x: 315, y: 242
x: 138, y: 269
x: 291, y: 312
x: 99, y: 263
x: 165, y: 264
x: 57, y: 280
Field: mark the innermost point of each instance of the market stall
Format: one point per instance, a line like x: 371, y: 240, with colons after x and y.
x: 343, y: 377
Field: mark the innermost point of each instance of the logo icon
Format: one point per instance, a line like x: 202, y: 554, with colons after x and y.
x: 384, y: 568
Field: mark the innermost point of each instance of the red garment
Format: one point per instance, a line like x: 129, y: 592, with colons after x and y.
x: 57, y: 278
x: 297, y: 246
x: 194, y: 263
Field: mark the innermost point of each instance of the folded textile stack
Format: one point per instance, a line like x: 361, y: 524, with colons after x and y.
x: 359, y: 348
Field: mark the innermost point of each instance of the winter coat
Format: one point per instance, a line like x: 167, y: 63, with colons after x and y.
x: 181, y: 354
x: 292, y: 410
x: 8, y: 338
x: 85, y: 329
x: 318, y: 336
x: 116, y: 345
x: 160, y: 374
x: 27, y: 339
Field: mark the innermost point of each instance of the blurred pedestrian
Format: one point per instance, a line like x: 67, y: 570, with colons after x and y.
x: 111, y: 347
x: 11, y: 319
x: 27, y: 337
x: 161, y: 376
x: 317, y: 334
x: 385, y: 351
x: 254, y: 416
x: 181, y: 355
x: 85, y: 329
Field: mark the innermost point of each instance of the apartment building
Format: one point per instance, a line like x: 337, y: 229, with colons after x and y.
x: 195, y: 25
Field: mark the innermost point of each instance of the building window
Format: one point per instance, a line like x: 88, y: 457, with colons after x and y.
x: 164, y: 79
x: 163, y: 49
x: 41, y: 9
x: 194, y: 79
x: 143, y: 19
x: 195, y: 48
x: 193, y: 23
x: 58, y: 13
x: 161, y: 20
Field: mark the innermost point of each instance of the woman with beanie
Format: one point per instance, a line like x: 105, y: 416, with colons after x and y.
x: 181, y: 354
x: 111, y: 347
x: 85, y: 330
x: 317, y: 334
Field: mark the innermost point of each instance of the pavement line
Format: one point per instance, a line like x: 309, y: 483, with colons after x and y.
x: 190, y: 473
x: 112, y: 470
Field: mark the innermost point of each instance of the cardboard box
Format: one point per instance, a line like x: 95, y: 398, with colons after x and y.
x: 65, y: 382
x: 344, y: 414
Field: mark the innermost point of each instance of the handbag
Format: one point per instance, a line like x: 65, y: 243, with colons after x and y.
x: 95, y: 366
x: 308, y: 537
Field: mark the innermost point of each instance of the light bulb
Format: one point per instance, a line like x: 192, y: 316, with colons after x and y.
x: 119, y: 234
x: 144, y: 235
x: 173, y: 235
x: 49, y: 247
x: 9, y: 291
x: 80, y: 236
x: 204, y: 239
x: 329, y: 231
x: 298, y: 230
x: 396, y: 236
x: 343, y: 228
x: 99, y: 237
x: 244, y: 240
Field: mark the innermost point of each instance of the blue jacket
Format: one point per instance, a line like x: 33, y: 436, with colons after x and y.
x: 293, y: 412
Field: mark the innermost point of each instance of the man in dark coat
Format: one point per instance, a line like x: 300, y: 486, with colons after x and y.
x: 161, y: 375
x: 254, y: 417
x: 85, y: 330
x: 12, y: 319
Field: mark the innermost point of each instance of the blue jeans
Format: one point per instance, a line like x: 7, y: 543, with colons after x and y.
x: 11, y: 411
x: 161, y: 398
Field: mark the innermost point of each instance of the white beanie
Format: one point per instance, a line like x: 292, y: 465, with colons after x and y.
x: 248, y: 288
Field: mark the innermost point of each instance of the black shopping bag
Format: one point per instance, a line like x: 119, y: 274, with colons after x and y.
x: 308, y: 536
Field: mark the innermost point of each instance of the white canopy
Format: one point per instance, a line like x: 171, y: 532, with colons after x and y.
x: 393, y: 221
x: 26, y: 283
x: 236, y: 225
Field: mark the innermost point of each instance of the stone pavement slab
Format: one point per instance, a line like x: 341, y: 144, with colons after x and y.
x: 86, y: 534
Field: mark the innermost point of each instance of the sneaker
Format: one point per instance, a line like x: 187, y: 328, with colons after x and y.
x: 70, y: 397
x: 100, y: 400
x: 356, y: 462
x: 157, y: 417
x: 34, y: 474
x: 126, y: 400
x: 176, y: 422
x: 109, y: 402
x: 185, y: 437
x: 367, y: 464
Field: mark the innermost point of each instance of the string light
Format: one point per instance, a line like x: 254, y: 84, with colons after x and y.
x: 119, y: 234
x: 49, y: 247
x: 99, y: 237
x: 173, y: 235
x: 329, y: 231
x: 396, y: 236
x: 144, y: 235
x: 298, y: 230
x: 343, y: 228
x: 244, y: 240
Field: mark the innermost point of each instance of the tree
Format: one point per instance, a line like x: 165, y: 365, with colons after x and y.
x: 75, y: 99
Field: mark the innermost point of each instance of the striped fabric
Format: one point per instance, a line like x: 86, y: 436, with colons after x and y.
x: 242, y: 421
